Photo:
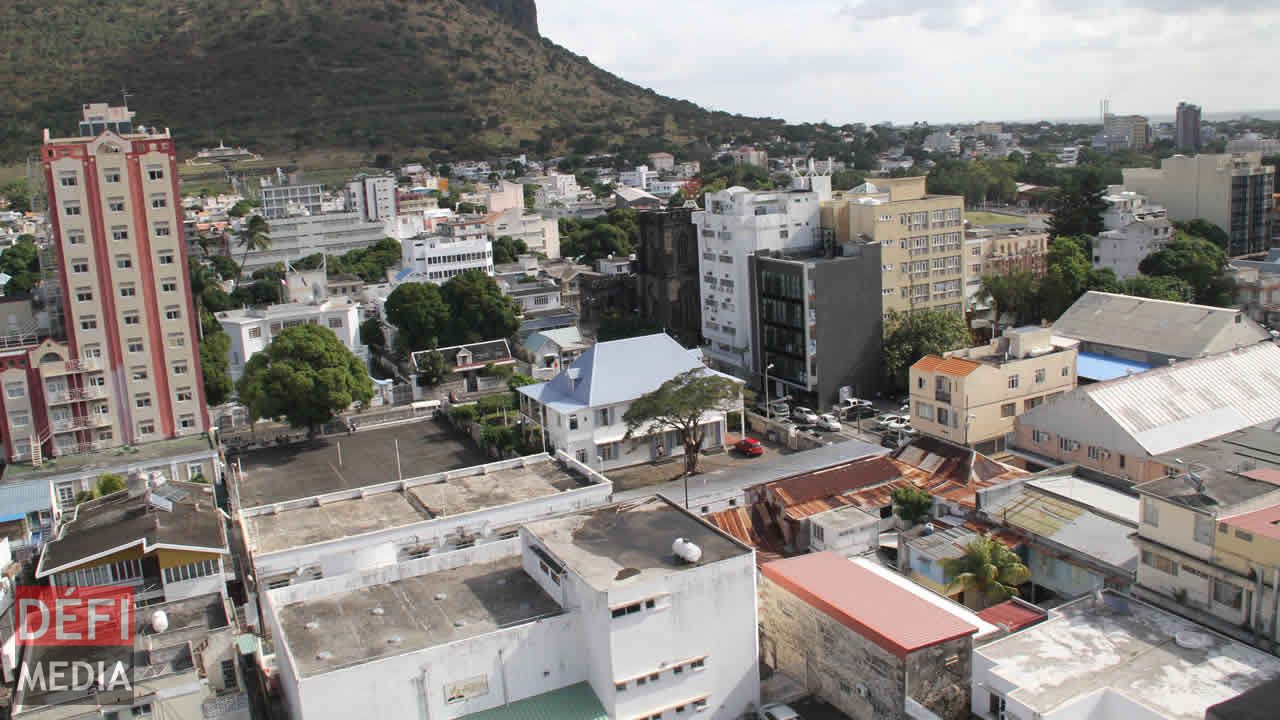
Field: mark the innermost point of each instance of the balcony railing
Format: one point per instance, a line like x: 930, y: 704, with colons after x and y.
x: 77, y: 394
x: 80, y: 423
x: 942, y: 396
x: 75, y: 365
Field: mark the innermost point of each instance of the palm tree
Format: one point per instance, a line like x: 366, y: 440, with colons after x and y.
x: 253, y: 236
x: 988, y: 572
x: 201, y: 277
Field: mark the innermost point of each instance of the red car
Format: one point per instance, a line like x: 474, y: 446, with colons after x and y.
x: 750, y: 447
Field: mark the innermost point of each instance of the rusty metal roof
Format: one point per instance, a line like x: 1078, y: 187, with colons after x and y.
x: 835, y: 480
x: 955, y: 366
x: 746, y: 523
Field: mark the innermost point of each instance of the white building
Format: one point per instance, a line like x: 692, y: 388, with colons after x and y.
x: 591, y: 614
x: 942, y: 142
x: 358, y: 529
x: 504, y: 196
x: 252, y: 329
x: 1135, y: 229
x: 459, y: 244
x: 662, y: 161
x: 582, y: 408
x: 293, y: 238
x: 282, y: 198
x: 540, y: 235
x: 738, y: 223
x: 640, y: 177
x: 373, y: 196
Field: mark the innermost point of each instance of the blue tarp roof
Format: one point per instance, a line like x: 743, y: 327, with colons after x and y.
x: 1101, y: 367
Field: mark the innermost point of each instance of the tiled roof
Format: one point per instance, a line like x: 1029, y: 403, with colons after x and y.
x: 958, y: 367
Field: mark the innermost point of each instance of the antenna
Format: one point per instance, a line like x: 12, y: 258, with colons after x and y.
x: 125, y: 95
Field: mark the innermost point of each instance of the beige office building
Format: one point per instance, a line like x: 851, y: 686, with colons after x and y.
x: 973, y: 396
x: 128, y: 371
x: 921, y: 238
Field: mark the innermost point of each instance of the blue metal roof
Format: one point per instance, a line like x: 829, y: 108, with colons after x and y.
x: 1101, y: 367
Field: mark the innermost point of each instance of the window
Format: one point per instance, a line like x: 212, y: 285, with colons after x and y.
x: 132, y: 318
x: 1013, y: 382
x: 924, y: 410
x: 1066, y: 372
x: 115, y: 204
x: 146, y: 427
x: 71, y: 209
x: 166, y: 258
x: 155, y: 173
x: 119, y: 233
x: 945, y: 416
x: 697, y: 664
x: 183, y: 395
x: 573, y: 422
x: 180, y: 368
x: 75, y: 237
x: 1228, y: 594
x: 79, y: 266
x: 128, y: 290
x: 135, y: 345
x: 139, y: 373
x: 89, y: 322
x: 1040, y: 375
x: 335, y: 322
x: 1039, y: 436
x: 143, y: 400
x: 159, y: 201
x: 1150, y: 512
x: 229, y: 674
x: 161, y: 229
x: 1008, y: 410
x: 68, y: 180
x: 111, y: 176
x: 141, y: 710
x: 620, y: 687
x: 186, y: 422
x: 1160, y: 562
x: 124, y: 262
x: 177, y: 340
x: 172, y: 313
x: 84, y: 294
x: 169, y: 285
x: 1204, y: 529
x: 1121, y: 461
x: 255, y: 332
x: 19, y: 418
x: 1244, y: 535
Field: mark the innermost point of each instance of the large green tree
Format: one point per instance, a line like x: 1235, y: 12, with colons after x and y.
x: 17, y: 195
x: 419, y: 314
x: 682, y: 405
x: 1159, y: 287
x: 1010, y: 294
x: 911, y: 504
x: 306, y: 375
x: 1204, y: 229
x: 1197, y: 262
x: 1078, y: 207
x: 910, y: 336
x: 477, y: 309
x: 1066, y: 275
x: 215, y: 367
x: 988, y: 572
x: 22, y: 262
x: 506, y: 249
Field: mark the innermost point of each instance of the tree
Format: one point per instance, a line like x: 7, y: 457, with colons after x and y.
x: 909, y: 337
x: 240, y: 209
x: 681, y: 404
x: 1078, y: 207
x: 1158, y: 287
x: 988, y: 572
x: 506, y: 249
x: 108, y: 483
x: 22, y: 262
x: 477, y: 309
x: 1012, y: 293
x: 911, y: 504
x: 1066, y: 275
x: 431, y: 368
x: 254, y: 236
x: 1197, y: 262
x: 17, y: 195
x: 215, y: 367
x: 305, y: 374
x: 226, y: 268
x: 419, y: 314
x: 371, y: 335
x: 1202, y: 228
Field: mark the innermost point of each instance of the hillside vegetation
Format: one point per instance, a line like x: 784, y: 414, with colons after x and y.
x: 292, y: 75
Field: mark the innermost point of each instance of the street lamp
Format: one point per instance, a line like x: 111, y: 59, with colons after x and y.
x: 768, y: 409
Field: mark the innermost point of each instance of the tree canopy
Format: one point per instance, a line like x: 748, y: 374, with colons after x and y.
x: 1199, y: 263
x: 419, y: 314
x: 306, y: 375
x: 682, y: 405
x: 215, y: 367
x: 1204, y: 229
x: 17, y: 195
x: 477, y: 309
x: 909, y: 337
x: 1078, y: 207
x: 506, y: 249
x: 988, y: 572
x: 612, y: 234
x: 911, y: 504
x: 22, y: 262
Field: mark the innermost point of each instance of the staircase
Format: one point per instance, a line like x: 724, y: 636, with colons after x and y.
x: 37, y: 447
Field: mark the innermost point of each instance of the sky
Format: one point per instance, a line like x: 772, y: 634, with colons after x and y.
x: 933, y: 60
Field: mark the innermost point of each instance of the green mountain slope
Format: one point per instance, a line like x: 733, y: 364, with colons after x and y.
x: 286, y: 75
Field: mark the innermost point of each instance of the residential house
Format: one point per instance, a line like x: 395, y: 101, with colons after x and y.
x: 541, y: 235
x: 549, y: 351
x: 470, y: 363
x: 663, y: 162
x: 1257, y: 285
x: 1135, y: 228
x: 252, y: 329
x: 1119, y: 427
x: 973, y: 396
x: 582, y: 408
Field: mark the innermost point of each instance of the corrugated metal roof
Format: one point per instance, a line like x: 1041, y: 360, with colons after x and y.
x: 1073, y: 527
x: 747, y: 525
x: 885, y: 613
x: 24, y: 497
x: 1013, y: 615
x: 1175, y: 329
x: 1192, y: 401
x: 955, y: 366
x: 575, y: 702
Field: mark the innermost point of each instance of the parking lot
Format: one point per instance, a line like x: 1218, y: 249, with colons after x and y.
x: 339, y: 462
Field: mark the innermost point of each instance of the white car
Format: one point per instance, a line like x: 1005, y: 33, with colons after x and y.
x: 778, y: 711
x: 902, y: 426
x: 804, y: 416
x: 828, y: 422
x: 882, y: 421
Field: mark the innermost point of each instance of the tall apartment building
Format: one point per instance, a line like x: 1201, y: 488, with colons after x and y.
x: 373, y: 196
x: 1121, y: 132
x: 128, y: 371
x: 921, y: 238
x: 736, y: 224
x: 1187, y: 126
x: 1232, y: 191
x: 667, y: 273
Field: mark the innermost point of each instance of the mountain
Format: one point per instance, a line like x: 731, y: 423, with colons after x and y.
x: 291, y: 75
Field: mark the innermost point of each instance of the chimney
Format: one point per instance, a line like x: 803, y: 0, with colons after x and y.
x: 136, y: 484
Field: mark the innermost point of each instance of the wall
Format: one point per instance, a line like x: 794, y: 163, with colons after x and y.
x: 938, y: 678
x: 1074, y: 417
x: 850, y: 326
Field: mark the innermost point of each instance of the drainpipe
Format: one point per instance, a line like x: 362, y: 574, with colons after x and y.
x: 1256, y: 621
x: 1275, y: 604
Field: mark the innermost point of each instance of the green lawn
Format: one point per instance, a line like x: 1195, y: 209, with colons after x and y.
x: 980, y: 217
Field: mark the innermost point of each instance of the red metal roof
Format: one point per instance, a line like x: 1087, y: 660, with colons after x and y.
x: 835, y: 480
x: 885, y: 613
x: 1268, y: 475
x: 747, y: 525
x: 1013, y: 615
x: 1265, y: 522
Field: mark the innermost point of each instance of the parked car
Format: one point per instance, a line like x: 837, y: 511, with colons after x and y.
x: 775, y: 409
x: 890, y: 440
x: 882, y: 421
x: 750, y: 447
x: 850, y: 403
x: 861, y: 411
x: 804, y: 416
x: 828, y: 422
x: 778, y: 711
x: 900, y: 426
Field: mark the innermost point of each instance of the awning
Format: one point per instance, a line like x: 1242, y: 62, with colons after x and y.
x: 1092, y: 366
x: 575, y: 702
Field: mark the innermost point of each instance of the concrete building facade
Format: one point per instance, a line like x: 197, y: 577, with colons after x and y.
x: 252, y: 329
x: 1186, y: 134
x: 374, y: 197
x: 667, y: 273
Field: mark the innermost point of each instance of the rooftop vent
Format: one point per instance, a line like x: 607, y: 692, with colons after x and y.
x: 1192, y: 640
x: 378, y: 611
x: 686, y: 551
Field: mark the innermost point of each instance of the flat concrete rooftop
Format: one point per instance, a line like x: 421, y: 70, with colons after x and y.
x: 610, y: 545
x: 397, y: 508
x: 410, y: 614
x: 276, y: 474
x: 1130, y: 651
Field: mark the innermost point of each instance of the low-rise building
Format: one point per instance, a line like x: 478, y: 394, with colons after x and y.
x: 593, y: 614
x: 1108, y: 656
x: 457, y: 246
x: 549, y: 351
x: 663, y: 162
x: 582, y: 408
x: 973, y: 396
x: 872, y: 647
x: 1119, y: 427
x: 295, y: 237
x: 540, y: 235
x: 252, y: 329
x: 1257, y: 285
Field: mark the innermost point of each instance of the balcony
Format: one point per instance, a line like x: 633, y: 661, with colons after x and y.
x: 80, y: 423
x: 69, y: 367
x: 942, y: 396
x: 80, y: 448
x: 92, y: 392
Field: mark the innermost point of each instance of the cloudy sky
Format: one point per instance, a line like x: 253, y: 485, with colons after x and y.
x: 934, y: 60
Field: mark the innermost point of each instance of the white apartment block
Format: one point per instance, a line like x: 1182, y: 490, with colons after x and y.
x: 295, y: 237
x: 373, y: 196
x: 592, y: 613
x: 252, y: 329
x: 1135, y: 229
x: 459, y: 245
x: 640, y: 177
x: 540, y: 235
x: 738, y: 223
